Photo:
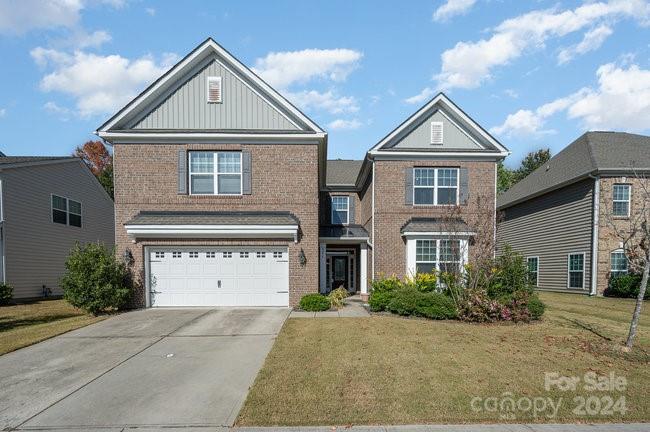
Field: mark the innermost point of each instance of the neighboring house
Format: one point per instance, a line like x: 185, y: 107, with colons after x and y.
x: 224, y: 195
x: 559, y: 217
x: 47, y: 204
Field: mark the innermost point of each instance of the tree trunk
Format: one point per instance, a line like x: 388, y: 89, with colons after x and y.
x: 639, y: 303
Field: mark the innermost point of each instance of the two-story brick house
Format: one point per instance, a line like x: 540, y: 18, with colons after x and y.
x: 224, y: 195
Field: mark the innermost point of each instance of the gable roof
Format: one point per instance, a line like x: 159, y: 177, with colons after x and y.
x: 342, y: 172
x: 591, y: 154
x: 445, y: 105
x: 19, y: 161
x: 113, y: 126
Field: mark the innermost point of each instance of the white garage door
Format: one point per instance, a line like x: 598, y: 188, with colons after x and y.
x: 233, y: 276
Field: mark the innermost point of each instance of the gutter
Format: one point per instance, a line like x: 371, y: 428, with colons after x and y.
x: 595, y: 235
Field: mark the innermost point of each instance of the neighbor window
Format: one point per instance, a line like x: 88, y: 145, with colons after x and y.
x: 577, y: 270
x: 437, y: 186
x: 621, y: 200
x: 533, y: 270
x: 437, y: 255
x: 66, y: 211
x: 215, y: 173
x: 618, y: 264
x: 340, y: 210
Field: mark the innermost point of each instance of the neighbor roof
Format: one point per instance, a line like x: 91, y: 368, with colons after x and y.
x: 420, y: 224
x: 592, y: 153
x: 213, y: 218
x: 12, y: 160
x: 342, y: 232
x: 342, y: 172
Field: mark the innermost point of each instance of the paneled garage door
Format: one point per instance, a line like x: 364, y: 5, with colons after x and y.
x: 233, y: 276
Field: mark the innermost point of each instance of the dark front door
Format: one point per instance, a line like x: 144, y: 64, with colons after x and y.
x: 340, y: 272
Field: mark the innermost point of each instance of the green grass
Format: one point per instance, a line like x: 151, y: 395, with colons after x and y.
x: 26, y: 324
x: 390, y: 370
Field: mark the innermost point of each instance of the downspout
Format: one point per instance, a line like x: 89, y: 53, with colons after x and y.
x: 372, y: 270
x: 594, y: 236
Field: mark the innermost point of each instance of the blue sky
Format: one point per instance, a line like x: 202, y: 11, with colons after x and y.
x: 534, y: 73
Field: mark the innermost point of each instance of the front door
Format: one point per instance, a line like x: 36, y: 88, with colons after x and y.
x: 340, y: 272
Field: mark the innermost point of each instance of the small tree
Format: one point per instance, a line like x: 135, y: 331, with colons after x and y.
x: 634, y: 233
x: 506, y: 178
x: 100, y: 161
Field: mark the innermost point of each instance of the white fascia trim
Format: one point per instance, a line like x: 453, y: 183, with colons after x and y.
x: 213, y: 231
x: 438, y: 233
x: 210, y: 44
x: 449, y: 104
x: 378, y: 154
x: 461, y: 129
x: 184, y: 137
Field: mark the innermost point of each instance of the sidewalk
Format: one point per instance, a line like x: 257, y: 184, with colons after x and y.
x: 353, y: 309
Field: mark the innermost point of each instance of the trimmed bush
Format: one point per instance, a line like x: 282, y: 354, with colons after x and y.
x: 314, y: 303
x: 95, y: 280
x: 409, y: 301
x: 6, y: 294
x: 379, y: 300
x: 424, y: 282
x: 386, y: 284
x: 510, y: 275
x: 337, y: 297
x: 625, y: 286
x: 536, y: 307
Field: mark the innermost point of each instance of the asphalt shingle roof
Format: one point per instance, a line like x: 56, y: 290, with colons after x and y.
x: 421, y: 224
x: 350, y: 231
x: 591, y: 153
x: 213, y: 218
x: 8, y: 160
x: 343, y: 172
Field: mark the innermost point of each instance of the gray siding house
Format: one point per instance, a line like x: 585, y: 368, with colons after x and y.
x: 560, y: 216
x: 46, y: 205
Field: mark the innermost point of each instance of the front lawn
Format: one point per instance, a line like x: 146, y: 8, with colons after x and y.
x: 391, y: 370
x: 26, y: 324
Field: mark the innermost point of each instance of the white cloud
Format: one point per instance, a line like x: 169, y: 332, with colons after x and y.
x: 512, y: 93
x: 620, y: 102
x: 468, y: 64
x: 591, y: 41
x: 99, y: 84
x: 282, y: 69
x: 342, y: 124
x: 150, y: 11
x: 3, y: 112
x: 62, y: 112
x: 328, y: 101
x: 419, y: 98
x: 81, y: 39
x: 452, y: 8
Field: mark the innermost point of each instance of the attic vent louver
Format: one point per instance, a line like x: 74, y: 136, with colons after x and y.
x: 214, y: 90
x: 436, y: 133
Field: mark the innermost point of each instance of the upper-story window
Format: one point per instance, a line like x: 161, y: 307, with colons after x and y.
x: 340, y: 210
x: 66, y: 211
x: 618, y: 263
x: 217, y: 173
x: 435, y: 186
x: 621, y: 200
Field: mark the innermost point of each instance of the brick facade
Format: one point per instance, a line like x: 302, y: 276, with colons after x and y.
x: 284, y: 178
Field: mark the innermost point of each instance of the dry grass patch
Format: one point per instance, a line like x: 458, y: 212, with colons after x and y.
x: 390, y: 370
x: 26, y: 324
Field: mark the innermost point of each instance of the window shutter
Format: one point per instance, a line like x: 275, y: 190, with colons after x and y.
x: 214, y: 90
x: 246, y: 169
x: 463, y: 184
x: 436, y: 133
x: 182, y: 172
x: 408, y: 186
x: 351, y: 210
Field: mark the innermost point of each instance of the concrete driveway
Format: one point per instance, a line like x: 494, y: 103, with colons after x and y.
x: 149, y: 368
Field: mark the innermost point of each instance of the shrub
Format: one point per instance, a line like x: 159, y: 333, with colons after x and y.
x: 337, y: 296
x: 95, y: 280
x: 536, y: 307
x: 383, y: 284
x: 379, y: 300
x: 625, y: 286
x: 477, y: 306
x: 6, y: 294
x: 424, y: 282
x: 314, y: 303
x: 510, y: 274
x: 409, y: 301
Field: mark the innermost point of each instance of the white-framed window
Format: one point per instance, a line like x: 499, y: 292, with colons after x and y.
x: 194, y: 254
x: 617, y: 263
x: 160, y: 255
x: 340, y: 209
x: 260, y: 254
x: 533, y: 270
x: 277, y: 254
x: 66, y: 211
x: 437, y: 255
x: 210, y: 254
x: 227, y: 254
x: 621, y: 200
x: 215, y: 173
x: 435, y: 186
x: 436, y: 133
x: 576, y: 267
x: 215, y: 93
x: 176, y: 254
x: 243, y: 254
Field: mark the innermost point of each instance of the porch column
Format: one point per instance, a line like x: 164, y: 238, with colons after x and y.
x: 322, y: 273
x: 363, y: 271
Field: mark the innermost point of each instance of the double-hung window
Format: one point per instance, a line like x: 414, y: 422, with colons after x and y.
x: 621, y: 200
x: 533, y: 270
x: 66, y: 211
x: 437, y: 255
x: 217, y: 173
x: 576, y: 271
x: 340, y: 210
x: 618, y: 264
x: 435, y: 186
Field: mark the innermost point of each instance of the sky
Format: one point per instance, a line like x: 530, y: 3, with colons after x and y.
x: 536, y: 74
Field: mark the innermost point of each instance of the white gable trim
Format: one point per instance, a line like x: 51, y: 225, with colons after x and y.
x: 459, y: 128
x: 210, y: 137
x: 190, y: 61
x: 422, y: 111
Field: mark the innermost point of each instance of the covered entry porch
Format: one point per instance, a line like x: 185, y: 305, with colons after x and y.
x: 343, y: 256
